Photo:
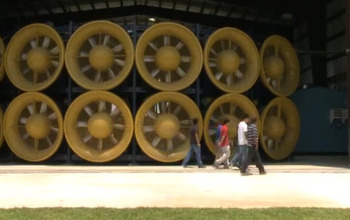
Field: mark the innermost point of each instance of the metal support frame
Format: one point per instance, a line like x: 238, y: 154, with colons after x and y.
x: 134, y: 96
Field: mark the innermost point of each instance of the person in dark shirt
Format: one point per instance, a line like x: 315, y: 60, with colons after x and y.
x: 195, y: 146
x: 253, y: 151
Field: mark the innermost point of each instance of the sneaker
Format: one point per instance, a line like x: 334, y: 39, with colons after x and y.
x: 226, y: 167
x: 262, y: 173
x: 184, y: 166
x: 246, y: 174
x: 202, y: 166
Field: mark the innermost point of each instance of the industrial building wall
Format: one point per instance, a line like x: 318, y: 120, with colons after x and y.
x: 318, y: 133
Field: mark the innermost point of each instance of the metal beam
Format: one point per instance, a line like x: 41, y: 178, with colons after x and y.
x: 77, y: 5
x: 92, y: 4
x: 203, y: 6
x: 229, y: 13
x: 107, y: 4
x: 217, y: 8
x: 47, y: 7
x: 188, y: 5
x: 62, y: 6
x: 192, y: 17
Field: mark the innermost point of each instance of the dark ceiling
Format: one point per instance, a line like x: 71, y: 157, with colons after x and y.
x: 209, y: 12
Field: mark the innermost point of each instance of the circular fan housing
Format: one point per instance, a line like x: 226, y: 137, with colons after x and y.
x: 99, y: 55
x: 163, y: 123
x: 232, y: 107
x: 280, y: 70
x: 280, y: 128
x: 33, y: 126
x: 98, y: 126
x: 169, y: 56
x: 34, y: 57
x: 231, y: 60
x: 2, y: 65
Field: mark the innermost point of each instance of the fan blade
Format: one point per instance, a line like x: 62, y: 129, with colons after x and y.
x: 92, y: 42
x: 106, y: 40
x: 156, y: 141
x: 114, y: 111
x: 117, y: 48
x: 148, y: 128
x: 218, y: 75
x: 46, y: 42
x: 82, y: 124
x: 43, y: 107
x: 179, y: 45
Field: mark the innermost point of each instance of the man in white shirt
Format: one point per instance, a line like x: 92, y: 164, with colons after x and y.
x: 242, y: 141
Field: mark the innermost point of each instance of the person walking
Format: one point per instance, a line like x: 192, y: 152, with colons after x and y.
x: 224, y: 146
x: 242, y: 142
x: 217, y: 140
x: 253, y: 151
x: 195, y: 146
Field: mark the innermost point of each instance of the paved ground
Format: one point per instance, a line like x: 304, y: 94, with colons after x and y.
x: 302, y: 183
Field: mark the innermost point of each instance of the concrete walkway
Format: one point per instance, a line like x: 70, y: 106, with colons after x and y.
x: 285, y: 185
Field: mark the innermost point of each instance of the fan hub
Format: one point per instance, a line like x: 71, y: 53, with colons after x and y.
x: 167, y: 58
x: 167, y: 126
x: 38, y: 126
x: 274, y: 67
x: 100, y: 125
x: 274, y: 127
x: 228, y: 61
x: 39, y: 59
x: 101, y: 57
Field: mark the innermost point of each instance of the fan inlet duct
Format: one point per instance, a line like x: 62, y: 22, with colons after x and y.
x: 33, y: 126
x: 231, y: 60
x: 2, y: 65
x: 232, y: 107
x: 34, y: 57
x: 169, y: 56
x: 162, y: 125
x: 280, y: 72
x: 98, y: 126
x: 99, y: 55
x: 280, y: 128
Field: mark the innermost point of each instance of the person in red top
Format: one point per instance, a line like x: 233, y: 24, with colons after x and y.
x: 224, y: 145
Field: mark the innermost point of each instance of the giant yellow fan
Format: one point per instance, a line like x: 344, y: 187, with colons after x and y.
x: 162, y: 125
x: 280, y: 128
x: 168, y: 56
x: 33, y: 126
x: 232, y: 107
x: 34, y: 57
x: 231, y: 60
x: 280, y: 70
x: 98, y: 126
x: 99, y: 55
